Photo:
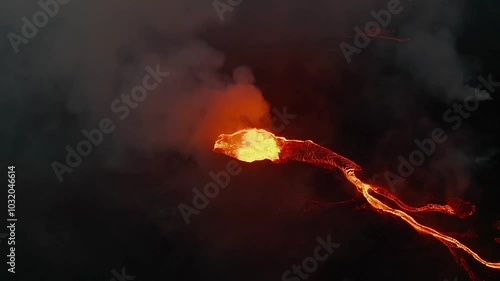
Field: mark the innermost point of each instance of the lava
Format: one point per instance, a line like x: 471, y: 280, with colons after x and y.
x: 384, y: 34
x: 402, y: 40
x: 388, y: 34
x: 251, y: 145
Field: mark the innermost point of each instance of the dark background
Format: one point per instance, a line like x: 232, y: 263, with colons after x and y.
x: 119, y: 208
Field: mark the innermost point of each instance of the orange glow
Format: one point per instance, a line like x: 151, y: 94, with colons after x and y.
x: 256, y: 144
x: 249, y: 145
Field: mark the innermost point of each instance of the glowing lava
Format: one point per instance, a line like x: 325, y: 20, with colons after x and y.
x: 256, y: 144
x: 249, y: 145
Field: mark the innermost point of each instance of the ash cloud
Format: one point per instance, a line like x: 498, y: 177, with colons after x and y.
x: 432, y: 55
x: 223, y: 76
x: 90, y: 53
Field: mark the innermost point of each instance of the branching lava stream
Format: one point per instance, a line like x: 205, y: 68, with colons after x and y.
x: 251, y: 145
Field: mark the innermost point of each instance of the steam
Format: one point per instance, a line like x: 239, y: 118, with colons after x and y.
x: 197, y: 104
x: 432, y: 55
x: 90, y: 53
x: 224, y: 76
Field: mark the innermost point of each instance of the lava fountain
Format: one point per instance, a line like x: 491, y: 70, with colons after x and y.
x: 251, y: 145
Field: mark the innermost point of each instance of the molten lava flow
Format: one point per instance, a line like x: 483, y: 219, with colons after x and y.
x: 256, y: 144
x: 249, y: 145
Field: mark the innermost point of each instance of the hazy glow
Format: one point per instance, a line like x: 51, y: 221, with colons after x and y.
x: 256, y: 144
x: 249, y: 145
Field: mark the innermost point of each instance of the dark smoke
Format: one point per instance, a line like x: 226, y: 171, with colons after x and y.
x: 121, y: 202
